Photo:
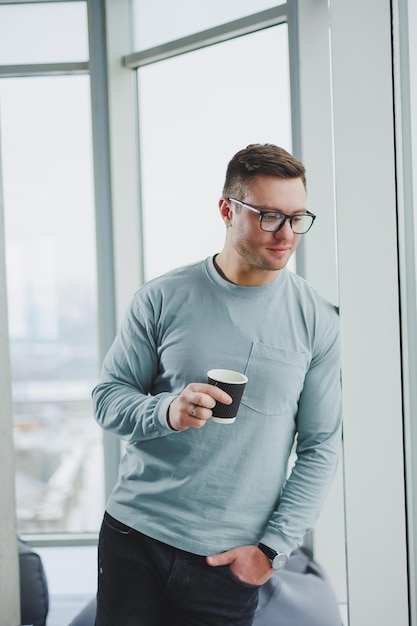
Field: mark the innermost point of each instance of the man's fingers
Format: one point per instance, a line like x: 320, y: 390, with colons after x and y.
x: 224, y: 558
x: 207, y: 395
x: 193, y: 407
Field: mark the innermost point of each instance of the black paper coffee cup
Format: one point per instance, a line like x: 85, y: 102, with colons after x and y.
x: 232, y: 383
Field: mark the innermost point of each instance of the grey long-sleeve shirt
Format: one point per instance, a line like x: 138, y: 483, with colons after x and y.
x: 210, y: 489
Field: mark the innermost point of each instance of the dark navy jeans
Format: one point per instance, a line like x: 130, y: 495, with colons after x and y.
x: 143, y: 582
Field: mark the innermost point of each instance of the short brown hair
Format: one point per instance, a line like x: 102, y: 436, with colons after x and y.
x: 260, y: 160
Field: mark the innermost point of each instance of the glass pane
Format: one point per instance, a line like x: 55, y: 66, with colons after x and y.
x: 51, y: 280
x: 196, y: 111
x: 50, y: 32
x: 184, y: 17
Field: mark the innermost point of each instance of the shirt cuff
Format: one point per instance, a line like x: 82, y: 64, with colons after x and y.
x: 161, y: 414
x: 278, y: 542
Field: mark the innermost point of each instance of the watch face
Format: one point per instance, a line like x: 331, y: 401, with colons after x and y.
x: 279, y: 561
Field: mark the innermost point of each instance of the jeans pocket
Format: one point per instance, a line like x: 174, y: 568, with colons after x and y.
x: 115, y: 525
x: 239, y: 582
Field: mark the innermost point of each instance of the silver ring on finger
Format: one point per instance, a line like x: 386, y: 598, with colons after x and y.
x: 193, y: 410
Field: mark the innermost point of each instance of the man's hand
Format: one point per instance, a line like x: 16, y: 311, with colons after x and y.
x: 248, y: 563
x: 194, y: 405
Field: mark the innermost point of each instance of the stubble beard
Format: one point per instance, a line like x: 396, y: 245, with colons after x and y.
x: 252, y: 259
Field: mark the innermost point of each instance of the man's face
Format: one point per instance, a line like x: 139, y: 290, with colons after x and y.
x: 257, y: 249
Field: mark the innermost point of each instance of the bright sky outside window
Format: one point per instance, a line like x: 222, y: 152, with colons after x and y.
x: 51, y: 280
x: 196, y: 111
x: 43, y: 33
x: 195, y: 15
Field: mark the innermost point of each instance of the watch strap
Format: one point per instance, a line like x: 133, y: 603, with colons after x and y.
x: 269, y: 552
x: 278, y: 560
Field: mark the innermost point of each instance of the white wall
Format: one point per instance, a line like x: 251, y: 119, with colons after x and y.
x: 405, y: 94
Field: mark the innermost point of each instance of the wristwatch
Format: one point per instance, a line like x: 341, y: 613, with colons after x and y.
x: 278, y: 559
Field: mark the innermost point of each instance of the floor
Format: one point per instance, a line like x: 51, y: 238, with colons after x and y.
x: 64, y: 607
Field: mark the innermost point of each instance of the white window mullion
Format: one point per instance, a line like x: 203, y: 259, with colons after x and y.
x: 365, y: 180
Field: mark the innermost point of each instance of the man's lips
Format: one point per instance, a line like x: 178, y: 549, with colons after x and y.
x: 282, y: 250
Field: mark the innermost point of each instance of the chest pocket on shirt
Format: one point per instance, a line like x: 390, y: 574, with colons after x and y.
x: 275, y: 379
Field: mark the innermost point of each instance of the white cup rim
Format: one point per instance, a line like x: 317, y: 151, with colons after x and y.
x: 228, y: 376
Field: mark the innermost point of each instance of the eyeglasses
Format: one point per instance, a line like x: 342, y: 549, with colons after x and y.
x: 272, y: 221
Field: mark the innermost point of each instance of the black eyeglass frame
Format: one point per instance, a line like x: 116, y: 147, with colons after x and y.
x: 284, y: 215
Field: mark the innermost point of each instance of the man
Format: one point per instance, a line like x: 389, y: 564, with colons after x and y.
x: 204, y: 513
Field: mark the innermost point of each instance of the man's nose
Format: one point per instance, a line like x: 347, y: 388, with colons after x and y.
x: 285, y: 231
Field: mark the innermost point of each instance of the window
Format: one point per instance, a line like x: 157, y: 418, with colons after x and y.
x: 47, y: 172
x: 43, y: 33
x: 196, y: 111
x: 184, y: 17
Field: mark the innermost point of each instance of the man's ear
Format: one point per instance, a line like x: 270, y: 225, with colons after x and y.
x: 225, y: 211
